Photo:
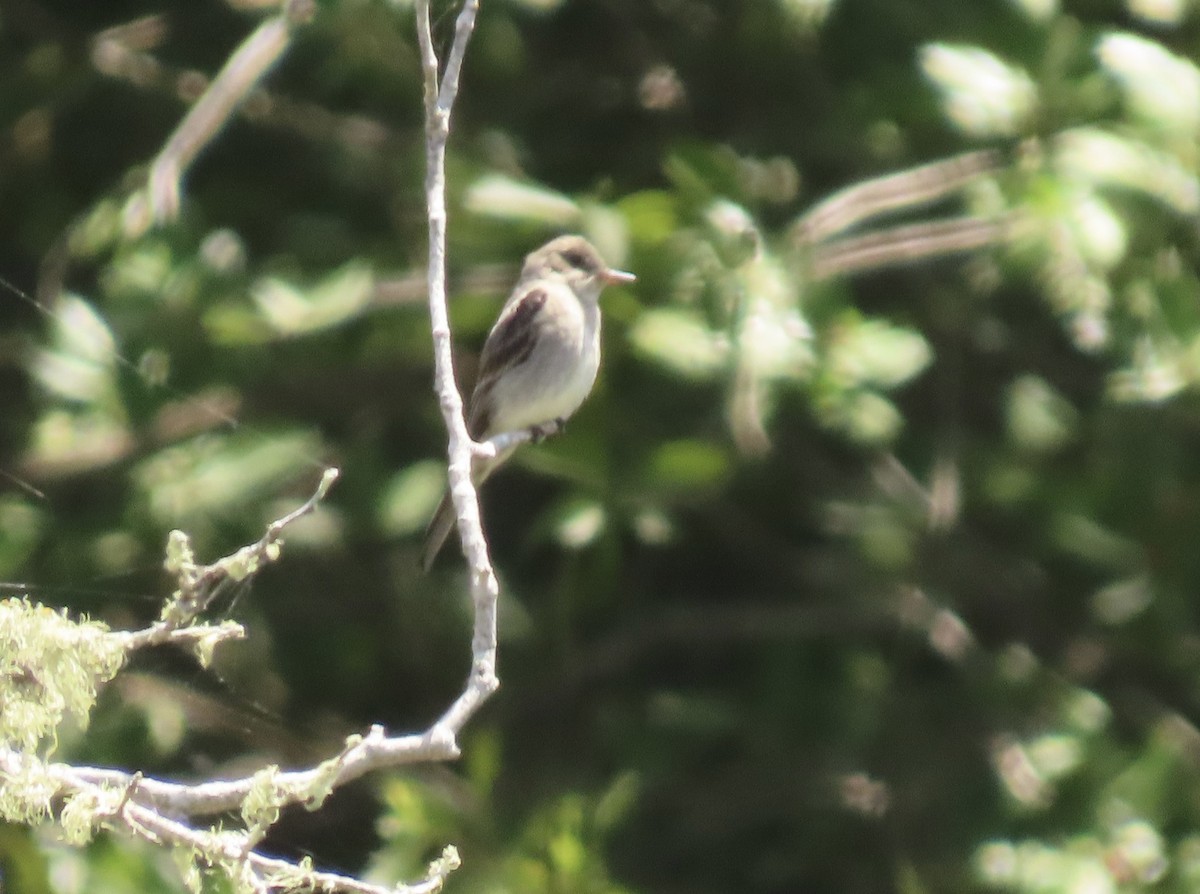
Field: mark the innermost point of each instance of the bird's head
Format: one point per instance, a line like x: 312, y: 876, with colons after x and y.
x: 576, y: 262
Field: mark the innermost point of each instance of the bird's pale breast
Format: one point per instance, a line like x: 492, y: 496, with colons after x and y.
x: 559, y: 372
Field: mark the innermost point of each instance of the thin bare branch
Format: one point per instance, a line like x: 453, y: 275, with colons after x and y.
x: 198, y: 583
x: 439, y: 102
x: 903, y: 190
x: 905, y: 245
x: 244, y: 69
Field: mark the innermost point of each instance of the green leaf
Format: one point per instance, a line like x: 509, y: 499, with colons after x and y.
x: 874, y: 352
x: 687, y: 465
x: 651, y: 214
x: 410, y: 496
x: 981, y: 94
x: 1039, y: 418
x: 680, y: 341
x: 495, y: 195
x: 291, y: 310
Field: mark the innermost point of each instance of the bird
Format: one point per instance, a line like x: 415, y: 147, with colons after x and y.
x: 539, y: 360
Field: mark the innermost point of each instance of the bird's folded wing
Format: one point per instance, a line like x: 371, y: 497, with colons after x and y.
x: 508, y: 345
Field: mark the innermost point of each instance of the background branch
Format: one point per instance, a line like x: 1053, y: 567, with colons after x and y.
x: 245, y: 68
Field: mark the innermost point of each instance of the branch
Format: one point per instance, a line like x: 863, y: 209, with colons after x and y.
x: 439, y: 101
x: 906, y: 244
x: 54, y: 659
x: 115, y: 803
x: 198, y: 584
x: 361, y: 755
x: 907, y: 189
x: 242, y: 72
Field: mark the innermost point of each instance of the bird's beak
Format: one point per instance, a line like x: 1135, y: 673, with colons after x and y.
x: 616, y: 277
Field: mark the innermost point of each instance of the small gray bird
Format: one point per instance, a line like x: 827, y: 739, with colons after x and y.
x: 540, y: 359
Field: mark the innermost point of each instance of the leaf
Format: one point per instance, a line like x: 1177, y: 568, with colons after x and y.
x: 291, y: 310
x: 495, y: 195
x: 981, y: 94
x: 1160, y: 87
x: 687, y: 465
x: 680, y: 341
x: 410, y: 496
x: 651, y: 215
x: 1039, y: 418
x: 874, y: 352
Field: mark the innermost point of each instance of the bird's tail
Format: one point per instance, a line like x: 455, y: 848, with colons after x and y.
x: 444, y: 518
x: 439, y: 529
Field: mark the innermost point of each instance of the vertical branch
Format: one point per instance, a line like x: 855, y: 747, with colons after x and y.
x: 440, y: 94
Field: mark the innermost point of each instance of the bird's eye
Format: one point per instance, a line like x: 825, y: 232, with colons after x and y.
x: 576, y: 259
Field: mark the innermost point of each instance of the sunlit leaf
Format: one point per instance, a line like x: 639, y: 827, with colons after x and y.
x: 1039, y: 418
x: 292, y: 310
x: 684, y: 465
x: 1159, y: 86
x: 874, y: 352
x: 495, y: 195
x: 80, y: 365
x: 1109, y: 159
x: 981, y: 94
x: 680, y: 341
x: 408, y: 500
x: 210, y: 475
x: 579, y: 523
x: 651, y: 214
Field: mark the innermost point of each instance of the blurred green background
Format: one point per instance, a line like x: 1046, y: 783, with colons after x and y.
x: 883, y: 581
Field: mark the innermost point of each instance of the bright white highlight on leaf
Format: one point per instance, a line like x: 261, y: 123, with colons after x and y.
x: 1160, y: 87
x: 873, y: 352
x: 1039, y: 418
x: 497, y: 196
x: 680, y: 341
x: 807, y: 12
x: 1160, y: 12
x: 291, y: 310
x: 80, y: 365
x: 981, y: 94
x: 1037, y: 10
x: 1100, y: 234
x: 1107, y: 159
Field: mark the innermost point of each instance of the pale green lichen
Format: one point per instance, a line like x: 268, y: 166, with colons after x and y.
x: 187, y: 862
x: 27, y: 792
x: 180, y: 556
x: 326, y: 775
x: 292, y: 878
x: 260, y: 807
x: 50, y: 669
x: 206, y: 643
x: 83, y: 812
x: 446, y: 863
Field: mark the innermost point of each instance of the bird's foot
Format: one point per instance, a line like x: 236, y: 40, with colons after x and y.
x: 539, y: 433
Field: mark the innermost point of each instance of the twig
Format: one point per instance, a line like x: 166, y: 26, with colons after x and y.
x: 244, y: 69
x: 439, y: 101
x: 905, y: 245
x: 198, y: 583
x: 903, y: 190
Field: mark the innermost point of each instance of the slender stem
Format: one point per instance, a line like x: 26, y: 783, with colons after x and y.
x: 439, y: 101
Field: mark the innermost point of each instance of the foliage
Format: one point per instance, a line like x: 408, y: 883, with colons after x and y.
x: 864, y: 580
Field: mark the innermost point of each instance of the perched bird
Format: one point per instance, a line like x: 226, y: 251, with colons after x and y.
x: 540, y: 359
